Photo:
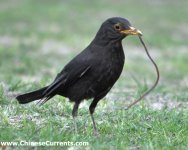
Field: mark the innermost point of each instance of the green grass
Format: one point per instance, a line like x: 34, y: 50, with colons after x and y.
x: 37, y: 38
x: 139, y: 127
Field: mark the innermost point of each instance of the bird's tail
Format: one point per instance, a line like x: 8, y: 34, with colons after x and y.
x: 32, y: 96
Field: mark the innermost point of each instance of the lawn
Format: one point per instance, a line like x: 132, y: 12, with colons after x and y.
x: 37, y: 38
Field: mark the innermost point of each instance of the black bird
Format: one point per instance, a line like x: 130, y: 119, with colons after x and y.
x: 93, y: 72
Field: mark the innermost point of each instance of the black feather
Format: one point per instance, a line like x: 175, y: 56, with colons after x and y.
x: 32, y: 96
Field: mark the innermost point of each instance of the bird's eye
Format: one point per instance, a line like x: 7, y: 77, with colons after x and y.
x: 117, y: 27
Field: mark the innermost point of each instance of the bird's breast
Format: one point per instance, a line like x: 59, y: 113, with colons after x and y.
x: 111, y: 65
x: 115, y: 64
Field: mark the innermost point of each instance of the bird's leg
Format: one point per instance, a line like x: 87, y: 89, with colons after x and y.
x: 92, y: 109
x: 74, y: 115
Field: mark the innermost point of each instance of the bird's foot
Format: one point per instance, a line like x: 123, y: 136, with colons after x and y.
x: 96, y: 133
x: 75, y: 126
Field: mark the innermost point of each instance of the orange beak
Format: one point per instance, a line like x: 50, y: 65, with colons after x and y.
x: 131, y: 31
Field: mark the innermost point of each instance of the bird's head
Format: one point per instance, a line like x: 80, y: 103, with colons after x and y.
x: 116, y: 28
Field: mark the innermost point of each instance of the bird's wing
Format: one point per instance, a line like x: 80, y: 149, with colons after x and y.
x: 69, y: 75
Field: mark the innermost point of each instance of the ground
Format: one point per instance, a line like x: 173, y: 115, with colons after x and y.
x: 38, y: 38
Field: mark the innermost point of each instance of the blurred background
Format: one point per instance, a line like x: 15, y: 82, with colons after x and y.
x: 38, y: 37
